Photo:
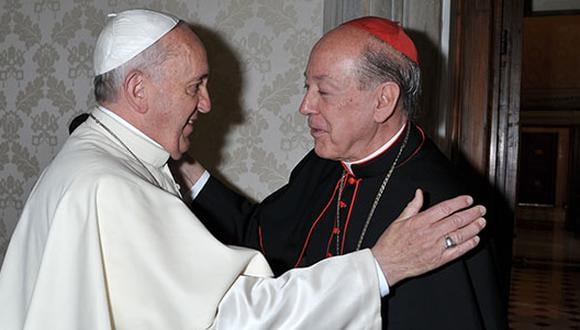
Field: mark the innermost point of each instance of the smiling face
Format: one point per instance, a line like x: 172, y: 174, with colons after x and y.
x: 178, y: 91
x: 340, y: 113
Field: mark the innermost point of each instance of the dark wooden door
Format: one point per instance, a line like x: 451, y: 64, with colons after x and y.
x: 486, y: 71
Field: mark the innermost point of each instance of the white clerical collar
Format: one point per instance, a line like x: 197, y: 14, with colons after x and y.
x: 137, y: 143
x: 126, y: 124
x: 377, y: 152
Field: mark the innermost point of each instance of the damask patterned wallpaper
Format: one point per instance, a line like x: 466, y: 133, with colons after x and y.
x: 257, y: 48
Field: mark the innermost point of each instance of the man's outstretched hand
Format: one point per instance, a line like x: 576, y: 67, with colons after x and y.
x: 415, y: 243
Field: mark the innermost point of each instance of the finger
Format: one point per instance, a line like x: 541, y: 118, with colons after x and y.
x: 445, y: 208
x: 459, y: 250
x: 458, y: 220
x: 466, y: 233
x: 413, y: 207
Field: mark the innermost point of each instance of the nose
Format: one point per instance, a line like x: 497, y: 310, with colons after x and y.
x: 204, y: 103
x: 308, y: 105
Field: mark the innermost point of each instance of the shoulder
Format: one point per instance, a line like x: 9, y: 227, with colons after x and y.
x: 83, y: 163
x: 432, y: 171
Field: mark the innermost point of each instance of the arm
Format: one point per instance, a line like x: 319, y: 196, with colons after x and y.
x: 235, y: 220
x: 337, y: 293
x: 305, y: 293
x: 176, y: 273
x: 227, y: 214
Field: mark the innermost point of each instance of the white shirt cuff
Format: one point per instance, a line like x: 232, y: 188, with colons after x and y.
x: 198, y: 186
x: 383, y: 285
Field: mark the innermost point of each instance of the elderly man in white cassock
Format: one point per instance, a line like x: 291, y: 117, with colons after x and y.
x: 106, y: 242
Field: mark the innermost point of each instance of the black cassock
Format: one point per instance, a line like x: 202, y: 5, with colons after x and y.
x: 297, y: 226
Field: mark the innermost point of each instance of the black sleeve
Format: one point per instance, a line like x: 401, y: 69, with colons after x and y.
x: 273, y: 225
x: 227, y: 214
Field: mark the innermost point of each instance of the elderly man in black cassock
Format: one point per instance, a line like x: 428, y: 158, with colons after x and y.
x: 362, y: 89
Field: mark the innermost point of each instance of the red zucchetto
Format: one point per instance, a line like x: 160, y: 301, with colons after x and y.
x: 388, y: 31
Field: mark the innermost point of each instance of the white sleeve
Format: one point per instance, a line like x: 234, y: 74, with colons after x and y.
x: 198, y: 186
x: 383, y: 285
x: 336, y: 293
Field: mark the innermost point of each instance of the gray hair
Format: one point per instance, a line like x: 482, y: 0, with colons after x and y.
x: 108, y: 84
x: 380, y: 63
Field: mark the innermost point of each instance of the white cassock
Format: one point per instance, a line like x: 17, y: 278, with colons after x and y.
x: 106, y: 242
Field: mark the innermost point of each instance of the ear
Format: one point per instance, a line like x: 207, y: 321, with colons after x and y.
x: 134, y: 88
x: 388, y: 97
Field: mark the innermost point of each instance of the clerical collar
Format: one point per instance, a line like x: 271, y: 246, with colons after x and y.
x: 383, y: 148
x: 141, y: 145
x: 126, y: 124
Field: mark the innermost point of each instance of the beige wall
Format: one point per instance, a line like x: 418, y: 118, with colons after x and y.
x: 257, y: 49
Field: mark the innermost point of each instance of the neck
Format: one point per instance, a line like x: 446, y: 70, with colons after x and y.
x: 385, y: 136
x: 123, y: 110
x: 379, y: 150
x: 130, y: 114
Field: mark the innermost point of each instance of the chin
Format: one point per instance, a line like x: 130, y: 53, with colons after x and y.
x: 182, y: 148
x: 323, y: 153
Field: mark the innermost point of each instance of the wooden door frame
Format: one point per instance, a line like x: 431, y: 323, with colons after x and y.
x: 485, y: 103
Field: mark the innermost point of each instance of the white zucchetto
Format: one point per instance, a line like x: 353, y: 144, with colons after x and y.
x: 127, y: 34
